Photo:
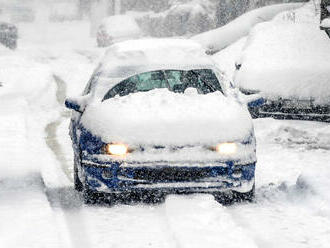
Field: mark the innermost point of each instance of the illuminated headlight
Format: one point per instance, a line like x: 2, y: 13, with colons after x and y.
x: 116, y: 149
x: 227, y: 148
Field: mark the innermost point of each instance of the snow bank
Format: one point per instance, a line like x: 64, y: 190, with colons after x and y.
x: 218, y: 39
x: 288, y: 60
x: 163, y: 117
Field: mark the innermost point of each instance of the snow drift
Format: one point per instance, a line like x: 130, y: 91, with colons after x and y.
x: 217, y: 39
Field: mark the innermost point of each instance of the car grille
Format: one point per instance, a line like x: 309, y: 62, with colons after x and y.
x: 173, y: 174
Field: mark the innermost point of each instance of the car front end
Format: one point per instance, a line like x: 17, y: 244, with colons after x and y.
x: 119, y: 168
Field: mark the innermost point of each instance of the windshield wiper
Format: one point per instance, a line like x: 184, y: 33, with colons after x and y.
x: 205, y: 82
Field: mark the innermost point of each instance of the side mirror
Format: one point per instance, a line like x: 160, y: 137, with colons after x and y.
x: 238, y: 66
x: 76, y: 103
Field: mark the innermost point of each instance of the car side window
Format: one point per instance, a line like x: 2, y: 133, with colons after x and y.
x: 122, y: 89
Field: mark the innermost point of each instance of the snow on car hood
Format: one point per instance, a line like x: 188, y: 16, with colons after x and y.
x: 281, y: 61
x: 162, y: 117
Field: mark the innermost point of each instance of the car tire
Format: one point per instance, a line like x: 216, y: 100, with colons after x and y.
x: 245, y: 197
x: 232, y: 197
x: 91, y: 197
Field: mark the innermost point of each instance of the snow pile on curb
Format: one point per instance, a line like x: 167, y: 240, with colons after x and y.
x: 27, y: 88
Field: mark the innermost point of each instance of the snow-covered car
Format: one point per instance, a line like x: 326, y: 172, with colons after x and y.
x: 117, y: 28
x: 8, y: 35
x: 156, y: 117
x: 290, y: 70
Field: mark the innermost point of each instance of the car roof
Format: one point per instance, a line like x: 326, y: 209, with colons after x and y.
x: 153, y: 54
x: 129, y: 58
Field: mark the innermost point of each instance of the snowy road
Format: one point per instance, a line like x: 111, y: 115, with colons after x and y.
x: 39, y: 208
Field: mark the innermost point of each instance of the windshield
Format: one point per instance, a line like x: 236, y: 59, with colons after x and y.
x: 204, y: 80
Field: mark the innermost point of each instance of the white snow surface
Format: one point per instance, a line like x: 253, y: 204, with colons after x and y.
x: 218, y: 39
x: 39, y: 208
x: 228, y: 57
x: 279, y: 60
x: 121, y: 26
x: 163, y: 117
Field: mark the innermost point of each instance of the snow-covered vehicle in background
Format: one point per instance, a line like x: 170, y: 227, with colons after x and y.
x: 117, y: 28
x: 156, y: 117
x: 8, y: 35
x: 288, y: 63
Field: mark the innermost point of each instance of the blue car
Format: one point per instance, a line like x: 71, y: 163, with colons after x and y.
x: 157, y: 118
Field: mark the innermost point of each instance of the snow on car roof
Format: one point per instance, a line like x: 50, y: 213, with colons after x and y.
x: 128, y: 58
x: 160, y: 53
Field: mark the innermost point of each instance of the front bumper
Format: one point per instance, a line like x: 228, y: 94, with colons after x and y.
x: 168, y: 178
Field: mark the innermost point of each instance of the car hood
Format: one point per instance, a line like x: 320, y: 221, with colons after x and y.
x: 162, y: 117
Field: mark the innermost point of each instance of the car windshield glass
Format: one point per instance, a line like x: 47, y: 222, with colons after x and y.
x: 204, y: 80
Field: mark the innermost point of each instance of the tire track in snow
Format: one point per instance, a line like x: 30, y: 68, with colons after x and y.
x: 65, y: 201
x: 51, y: 128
